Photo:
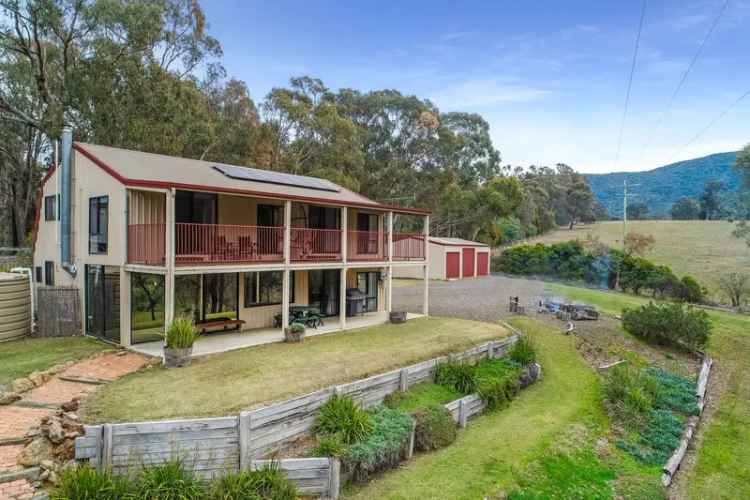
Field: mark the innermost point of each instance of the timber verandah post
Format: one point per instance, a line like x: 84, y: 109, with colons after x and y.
x: 426, y: 305
x: 287, y: 260
x: 389, y: 274
x: 170, y: 259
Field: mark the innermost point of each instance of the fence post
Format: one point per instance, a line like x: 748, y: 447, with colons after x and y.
x: 491, y: 349
x: 334, y: 478
x: 403, y: 383
x: 106, y: 460
x: 244, y: 432
x: 461, y: 413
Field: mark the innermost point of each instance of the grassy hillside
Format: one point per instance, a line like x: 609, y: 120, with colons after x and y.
x: 719, y: 468
x: 704, y: 249
x: 661, y: 187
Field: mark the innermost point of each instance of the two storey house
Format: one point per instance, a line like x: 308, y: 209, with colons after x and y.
x: 146, y: 237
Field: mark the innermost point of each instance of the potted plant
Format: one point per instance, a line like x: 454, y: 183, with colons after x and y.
x: 294, y: 333
x: 178, y: 342
x: 398, y: 317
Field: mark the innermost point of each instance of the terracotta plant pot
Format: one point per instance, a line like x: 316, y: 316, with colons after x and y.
x: 174, y: 358
x: 398, y: 317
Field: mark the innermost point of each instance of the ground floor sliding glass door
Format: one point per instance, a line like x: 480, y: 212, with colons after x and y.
x: 367, y: 283
x: 103, y: 302
x: 207, y: 297
x: 146, y: 307
x: 324, y: 290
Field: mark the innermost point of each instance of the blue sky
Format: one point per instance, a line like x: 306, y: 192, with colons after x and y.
x: 549, y: 76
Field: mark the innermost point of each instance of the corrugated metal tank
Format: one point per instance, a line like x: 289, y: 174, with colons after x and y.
x: 15, y: 306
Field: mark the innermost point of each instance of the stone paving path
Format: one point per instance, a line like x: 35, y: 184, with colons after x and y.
x: 18, y: 418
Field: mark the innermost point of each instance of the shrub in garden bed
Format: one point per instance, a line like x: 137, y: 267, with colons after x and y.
x: 669, y: 324
x: 173, y: 481
x: 434, y: 428
x: 342, y: 416
x: 523, y: 351
x: 457, y: 374
x: 651, y: 405
x: 497, y: 382
x: 266, y: 483
x: 422, y: 395
x: 383, y: 448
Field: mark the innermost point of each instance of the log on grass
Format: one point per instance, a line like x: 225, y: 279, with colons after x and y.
x: 670, y: 468
x: 700, y: 391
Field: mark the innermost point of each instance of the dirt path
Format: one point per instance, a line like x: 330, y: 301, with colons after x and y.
x: 76, y: 382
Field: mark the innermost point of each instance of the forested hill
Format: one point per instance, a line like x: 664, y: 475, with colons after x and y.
x: 661, y: 187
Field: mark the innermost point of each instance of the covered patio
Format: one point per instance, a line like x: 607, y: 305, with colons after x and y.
x: 214, y: 343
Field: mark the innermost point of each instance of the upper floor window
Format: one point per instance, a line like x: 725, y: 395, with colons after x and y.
x: 98, y: 223
x: 270, y: 215
x: 50, y: 207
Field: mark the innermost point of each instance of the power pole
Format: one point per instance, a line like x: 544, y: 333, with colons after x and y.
x: 624, y: 211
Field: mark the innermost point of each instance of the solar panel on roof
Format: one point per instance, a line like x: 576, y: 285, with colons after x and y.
x: 269, y: 177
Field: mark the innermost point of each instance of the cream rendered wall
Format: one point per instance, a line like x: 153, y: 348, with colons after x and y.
x: 436, y: 265
x: 262, y: 316
x: 47, y: 247
x: 88, y: 180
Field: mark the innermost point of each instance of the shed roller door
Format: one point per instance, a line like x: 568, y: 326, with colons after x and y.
x: 483, y: 264
x: 452, y: 265
x: 468, y: 262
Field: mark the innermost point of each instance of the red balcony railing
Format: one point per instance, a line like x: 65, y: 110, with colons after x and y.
x: 146, y: 244
x: 408, y: 246
x: 315, y: 244
x: 224, y: 243
x: 367, y: 245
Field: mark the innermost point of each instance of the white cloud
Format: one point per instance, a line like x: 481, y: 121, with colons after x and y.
x: 485, y: 92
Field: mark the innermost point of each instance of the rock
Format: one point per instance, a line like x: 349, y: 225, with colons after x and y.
x: 22, y: 385
x: 530, y: 374
x: 39, y: 378
x: 44, y: 475
x: 55, y: 431
x: 37, y: 450
x: 66, y: 450
x: 7, y: 398
x: 71, y: 405
x: 52, y: 478
x: 47, y: 465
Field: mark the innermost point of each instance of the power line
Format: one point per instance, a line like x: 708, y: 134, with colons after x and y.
x: 630, y: 83
x: 713, y: 122
x: 660, y: 120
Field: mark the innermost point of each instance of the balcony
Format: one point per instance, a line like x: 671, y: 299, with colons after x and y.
x: 367, y: 246
x: 227, y: 244
x: 408, y: 246
x: 197, y: 244
x: 315, y: 245
x: 146, y: 244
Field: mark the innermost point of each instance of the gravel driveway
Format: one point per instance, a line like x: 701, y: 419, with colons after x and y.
x: 484, y: 299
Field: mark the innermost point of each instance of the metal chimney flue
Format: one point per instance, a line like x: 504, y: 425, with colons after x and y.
x: 66, y: 181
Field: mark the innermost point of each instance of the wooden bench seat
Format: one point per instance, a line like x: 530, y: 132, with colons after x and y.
x: 219, y: 323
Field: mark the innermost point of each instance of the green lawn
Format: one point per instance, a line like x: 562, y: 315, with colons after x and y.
x: 19, y: 358
x: 223, y: 384
x: 721, y: 470
x: 551, y: 427
x: 704, y: 249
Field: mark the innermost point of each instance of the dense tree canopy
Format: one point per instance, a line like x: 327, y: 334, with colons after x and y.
x: 686, y: 208
x: 147, y: 76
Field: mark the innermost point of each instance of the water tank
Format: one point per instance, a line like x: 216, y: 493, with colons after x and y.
x: 15, y: 306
